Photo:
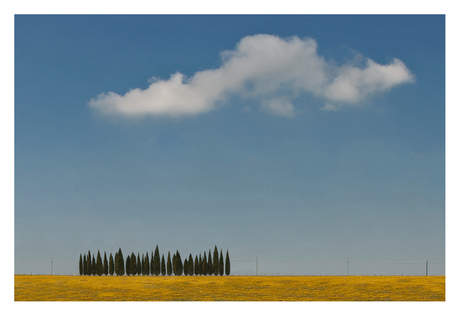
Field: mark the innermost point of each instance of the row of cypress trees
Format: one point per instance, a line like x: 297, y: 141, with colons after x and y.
x: 153, y: 265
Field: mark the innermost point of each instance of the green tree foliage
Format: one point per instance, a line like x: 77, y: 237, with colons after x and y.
x: 205, y: 265
x: 111, y: 265
x: 138, y: 265
x: 185, y: 266
x: 93, y: 266
x: 80, y: 265
x: 168, y: 265
x: 88, y: 263
x: 163, y: 265
x: 178, y: 264
x: 190, y: 269
x: 128, y: 265
x: 210, y: 265
x: 221, y: 264
x: 215, y: 261
x: 151, y: 265
x: 84, y: 265
x: 133, y: 267
x: 119, y: 263
x: 99, y: 268
x: 227, y: 264
x: 116, y: 263
x: 147, y: 264
x: 156, y: 262
x: 106, y: 264
x: 143, y: 265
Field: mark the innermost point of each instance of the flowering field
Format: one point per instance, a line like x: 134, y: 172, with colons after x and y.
x: 230, y: 288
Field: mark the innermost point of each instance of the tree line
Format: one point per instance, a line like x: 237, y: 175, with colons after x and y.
x: 212, y: 264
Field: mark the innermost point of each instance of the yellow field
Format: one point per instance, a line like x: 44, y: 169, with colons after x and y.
x: 231, y: 288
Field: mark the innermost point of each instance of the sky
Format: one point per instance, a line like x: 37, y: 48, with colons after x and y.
x: 314, y: 144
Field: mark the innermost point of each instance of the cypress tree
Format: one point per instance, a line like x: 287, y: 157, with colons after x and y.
x: 179, y: 266
x: 221, y: 264
x: 210, y: 266
x: 168, y: 265
x: 116, y: 263
x: 146, y: 265
x: 84, y: 265
x: 99, y: 268
x: 119, y: 263
x: 185, y: 266
x: 142, y: 264
x: 191, y: 269
x: 196, y: 266
x: 111, y: 266
x: 200, y: 265
x: 122, y: 266
x: 138, y: 265
x: 132, y: 266
x: 163, y: 265
x: 156, y: 261
x: 227, y: 264
x: 205, y: 265
x: 128, y: 265
x: 174, y: 264
x: 215, y: 261
x: 88, y: 263
x: 80, y: 266
x: 106, y: 264
x: 151, y: 265
x: 93, y: 266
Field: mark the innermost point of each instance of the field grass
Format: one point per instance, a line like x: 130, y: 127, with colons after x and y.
x: 231, y: 288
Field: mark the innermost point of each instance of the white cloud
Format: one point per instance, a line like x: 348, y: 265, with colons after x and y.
x: 268, y: 68
x: 352, y: 84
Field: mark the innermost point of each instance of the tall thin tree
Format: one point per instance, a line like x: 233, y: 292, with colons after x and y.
x: 99, y: 269
x: 227, y: 264
x: 185, y: 266
x: 221, y: 264
x: 93, y: 266
x: 84, y: 265
x: 128, y: 265
x: 152, y: 267
x: 210, y: 265
x: 147, y: 264
x: 119, y: 263
x: 163, y: 265
x: 106, y: 264
x: 111, y: 265
x: 215, y: 261
x: 143, y: 265
x: 156, y: 261
x: 205, y: 265
x: 133, y: 266
x: 179, y: 266
x: 80, y: 265
x: 138, y: 265
x: 88, y: 263
x: 168, y: 265
x: 191, y: 269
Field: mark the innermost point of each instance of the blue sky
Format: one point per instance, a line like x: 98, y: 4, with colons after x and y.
x: 301, y: 140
